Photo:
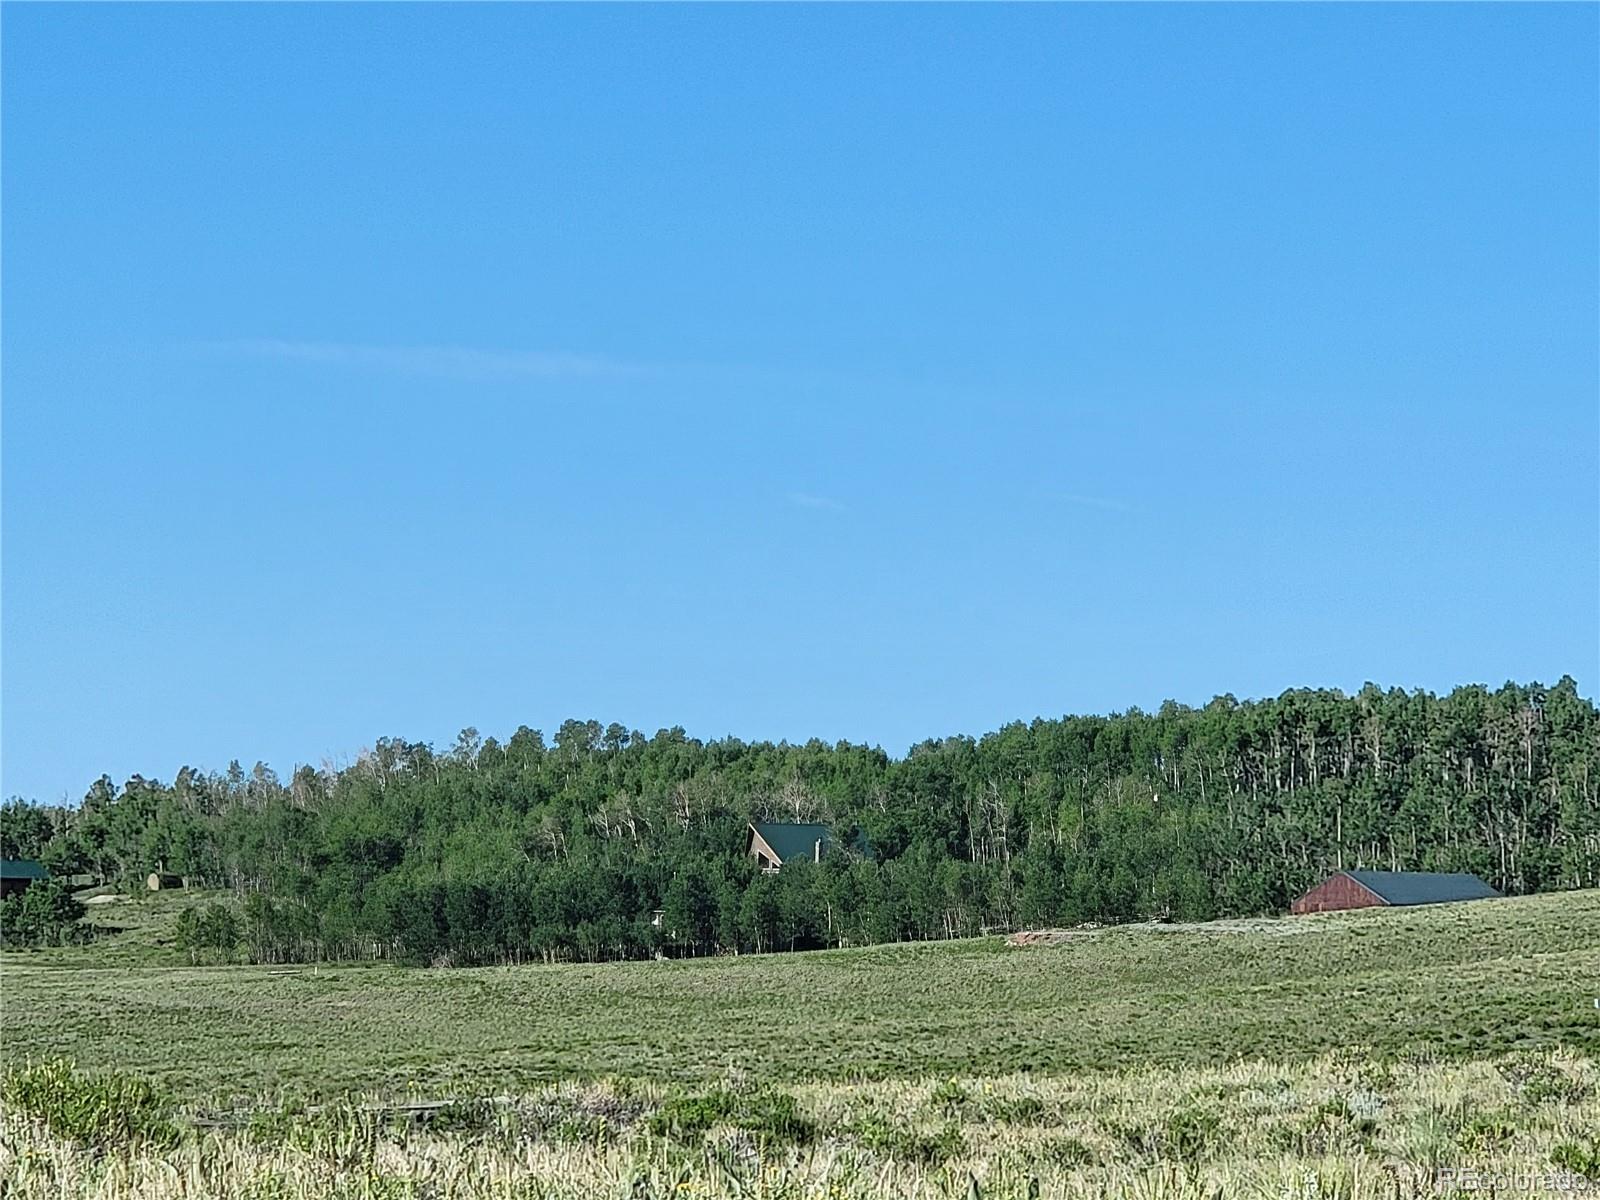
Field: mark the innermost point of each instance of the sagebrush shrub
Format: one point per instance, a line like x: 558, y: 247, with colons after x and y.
x: 1191, y: 1134
x: 885, y: 1136
x: 1580, y: 1159
x: 771, y: 1116
x: 102, y: 1110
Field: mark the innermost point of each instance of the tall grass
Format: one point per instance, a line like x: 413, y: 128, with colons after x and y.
x: 1339, y: 1128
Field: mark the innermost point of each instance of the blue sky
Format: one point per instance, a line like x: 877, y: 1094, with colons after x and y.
x: 866, y: 373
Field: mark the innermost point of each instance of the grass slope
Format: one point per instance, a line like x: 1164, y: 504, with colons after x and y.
x: 1472, y: 980
x: 1328, y: 1129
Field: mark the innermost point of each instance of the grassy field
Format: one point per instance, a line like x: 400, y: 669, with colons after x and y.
x: 1476, y: 979
x: 1253, y: 1056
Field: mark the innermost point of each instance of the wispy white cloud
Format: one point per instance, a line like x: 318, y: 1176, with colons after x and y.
x: 809, y: 500
x: 445, y: 362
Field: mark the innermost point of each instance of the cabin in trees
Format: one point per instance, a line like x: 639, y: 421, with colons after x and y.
x: 1370, y: 889
x: 18, y: 875
x: 773, y: 843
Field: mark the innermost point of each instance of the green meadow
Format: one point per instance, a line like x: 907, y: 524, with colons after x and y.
x: 1232, y: 1054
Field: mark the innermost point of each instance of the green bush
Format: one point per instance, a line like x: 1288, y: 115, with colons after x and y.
x: 213, y: 930
x: 771, y: 1116
x: 775, y: 1117
x: 1339, y: 1112
x: 463, y: 1118
x: 1486, y: 1133
x: 1066, y: 1152
x: 46, y: 914
x: 1544, y: 1082
x: 692, y: 1116
x: 1018, y: 1110
x: 1191, y: 1134
x: 1333, y: 1124
x: 102, y: 1111
x: 1579, y: 1159
x: 583, y: 1131
x: 913, y: 1145
x: 950, y: 1098
x: 268, y: 1126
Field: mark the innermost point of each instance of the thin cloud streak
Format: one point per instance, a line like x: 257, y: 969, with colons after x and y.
x: 443, y: 362
x: 808, y: 500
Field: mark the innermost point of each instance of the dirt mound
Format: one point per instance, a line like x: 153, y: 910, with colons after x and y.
x: 1048, y: 937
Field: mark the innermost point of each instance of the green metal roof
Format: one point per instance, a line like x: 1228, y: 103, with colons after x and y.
x: 21, y: 868
x: 793, y: 840
x: 1423, y: 887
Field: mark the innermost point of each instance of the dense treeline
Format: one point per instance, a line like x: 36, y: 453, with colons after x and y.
x: 47, y: 914
x: 496, y: 851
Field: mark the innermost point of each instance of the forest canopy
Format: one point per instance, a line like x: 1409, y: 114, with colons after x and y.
x: 602, y: 842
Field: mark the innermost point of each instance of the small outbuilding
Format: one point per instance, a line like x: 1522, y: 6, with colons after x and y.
x: 1373, y: 889
x: 161, y: 881
x: 18, y: 875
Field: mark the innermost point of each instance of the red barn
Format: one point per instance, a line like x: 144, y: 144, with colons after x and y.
x: 1371, y: 889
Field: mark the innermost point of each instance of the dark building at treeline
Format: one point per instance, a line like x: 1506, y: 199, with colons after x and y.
x: 1374, y: 889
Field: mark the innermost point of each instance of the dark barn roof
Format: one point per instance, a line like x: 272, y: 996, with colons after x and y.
x: 21, y: 868
x: 1423, y: 887
x: 791, y: 840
